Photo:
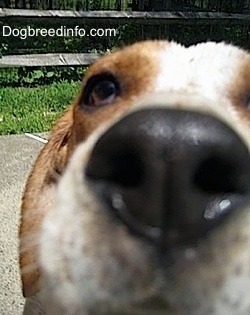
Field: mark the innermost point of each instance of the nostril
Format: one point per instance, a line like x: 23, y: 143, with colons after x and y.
x: 125, y: 170
x: 118, y: 166
x: 217, y: 175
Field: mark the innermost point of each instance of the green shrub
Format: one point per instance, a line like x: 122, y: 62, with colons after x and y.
x: 3, y: 49
x: 38, y: 76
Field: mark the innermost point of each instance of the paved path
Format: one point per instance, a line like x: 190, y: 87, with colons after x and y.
x: 17, y: 154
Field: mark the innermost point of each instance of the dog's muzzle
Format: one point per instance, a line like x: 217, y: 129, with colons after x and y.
x: 170, y: 175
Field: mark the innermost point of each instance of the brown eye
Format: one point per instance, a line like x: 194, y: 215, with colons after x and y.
x: 100, y: 90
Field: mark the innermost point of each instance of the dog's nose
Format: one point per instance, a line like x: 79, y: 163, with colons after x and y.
x: 170, y: 175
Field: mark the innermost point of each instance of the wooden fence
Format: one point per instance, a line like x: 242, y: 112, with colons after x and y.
x: 112, y: 18
x: 233, y: 6
x: 67, y: 4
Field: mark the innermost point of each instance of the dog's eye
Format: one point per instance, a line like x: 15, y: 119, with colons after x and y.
x: 100, y: 90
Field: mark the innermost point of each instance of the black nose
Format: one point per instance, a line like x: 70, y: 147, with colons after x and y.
x: 170, y: 175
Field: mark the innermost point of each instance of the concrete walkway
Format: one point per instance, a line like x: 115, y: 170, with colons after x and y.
x: 17, y: 154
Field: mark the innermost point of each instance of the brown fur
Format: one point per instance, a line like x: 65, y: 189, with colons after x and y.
x: 240, y: 91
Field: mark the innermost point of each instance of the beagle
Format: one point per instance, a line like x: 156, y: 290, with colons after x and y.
x: 139, y: 202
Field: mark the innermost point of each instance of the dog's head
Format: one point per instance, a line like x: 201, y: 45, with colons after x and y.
x: 152, y: 215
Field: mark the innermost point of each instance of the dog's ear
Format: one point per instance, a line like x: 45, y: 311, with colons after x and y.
x: 38, y: 198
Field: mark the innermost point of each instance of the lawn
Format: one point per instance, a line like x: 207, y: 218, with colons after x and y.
x: 34, y: 109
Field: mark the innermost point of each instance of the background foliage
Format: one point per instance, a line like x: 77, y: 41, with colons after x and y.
x: 32, y: 97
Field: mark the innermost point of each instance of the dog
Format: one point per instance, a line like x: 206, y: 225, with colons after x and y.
x: 139, y: 202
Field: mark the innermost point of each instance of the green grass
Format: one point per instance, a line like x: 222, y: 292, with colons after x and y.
x: 34, y: 109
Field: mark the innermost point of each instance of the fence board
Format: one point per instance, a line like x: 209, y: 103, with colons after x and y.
x: 143, y: 18
x: 48, y: 60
